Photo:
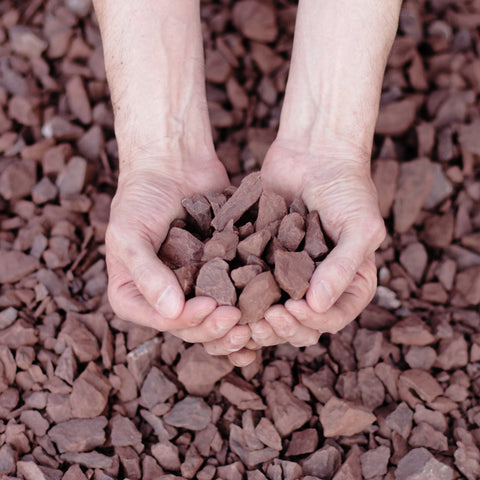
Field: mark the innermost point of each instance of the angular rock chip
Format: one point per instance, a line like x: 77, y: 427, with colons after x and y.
x: 385, y: 176
x: 419, y: 463
x: 315, y: 244
x: 156, y: 388
x: 411, y: 331
x: 424, y: 435
x: 213, y: 281
x: 289, y: 413
x: 422, y: 383
x: 16, y: 265
x: 241, y: 393
x: 400, y: 420
x: 293, y: 271
x: 323, y: 463
x: 242, y: 199
x: 242, y: 275
x: 167, y: 455
x: 271, y: 207
x: 90, y: 459
x: 181, y: 248
x: 186, y: 276
x: 191, y: 413
x: 396, y: 118
x: 266, y: 432
x: 216, y: 200
x: 124, y: 432
x: 257, y: 296
x: 222, y: 245
x: 195, y: 359
x: 255, y: 20
x: 198, y: 207
x: 339, y: 417
x: 303, y: 441
x: 253, y: 245
x: 79, y: 435
x: 374, y: 462
x: 291, y: 231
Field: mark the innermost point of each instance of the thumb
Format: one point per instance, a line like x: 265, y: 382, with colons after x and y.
x: 155, y: 281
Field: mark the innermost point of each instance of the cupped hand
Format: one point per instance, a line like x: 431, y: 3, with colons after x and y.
x: 141, y: 288
x: 337, y: 183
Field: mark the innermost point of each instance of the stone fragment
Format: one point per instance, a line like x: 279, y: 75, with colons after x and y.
x: 424, y: 435
x: 78, y: 99
x: 315, y: 244
x: 411, y: 331
x: 181, y: 248
x: 222, y: 245
x: 291, y: 231
x: 90, y: 391
x: 385, y: 177
x: 156, y: 388
x: 367, y: 345
x: 44, y: 191
x: 438, y: 230
x: 35, y: 422
x: 467, y: 286
x: 7, y: 459
x: 421, y: 382
x: 80, y: 339
x: 124, y: 432
x: 213, y: 281
x: 339, y: 417
x: 261, y: 292
x: 420, y: 357
x: 441, y: 188
x: 254, y: 244
x: 420, y: 464
x: 16, y: 265
x: 452, y: 353
x: 79, y: 435
x: 73, y: 177
x: 151, y: 470
x: 91, y: 143
x: 374, y: 462
x: 323, y: 463
x: 371, y: 388
x: 250, y: 457
x: 17, y: 180
x: 198, y: 207
x: 303, y: 441
x: 469, y: 137
x: 140, y: 360
x: 467, y: 455
x: 25, y: 41
x: 19, y: 334
x: 130, y: 462
x: 192, y: 463
x: 242, y: 199
x: 350, y: 469
x: 271, y: 207
x: 414, y: 184
x: 90, y: 459
x: 195, y: 359
x: 217, y: 69
x: 266, y: 432
x: 293, y: 271
x: 30, y: 471
x: 255, y: 20
x: 242, y: 275
x: 396, y: 118
x: 414, y: 258
x: 7, y: 317
x: 320, y: 383
x: 400, y: 420
x: 191, y: 413
x: 289, y: 413
x: 186, y: 277
x: 240, y: 393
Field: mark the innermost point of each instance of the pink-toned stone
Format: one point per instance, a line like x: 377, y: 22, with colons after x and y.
x: 181, y: 248
x: 271, y: 207
x: 257, y: 296
x: 213, y: 281
x: 291, y: 231
x: 293, y: 271
x: 242, y: 275
x: 385, y: 177
x: 315, y: 244
x: 198, y: 207
x: 222, y: 245
x: 254, y: 244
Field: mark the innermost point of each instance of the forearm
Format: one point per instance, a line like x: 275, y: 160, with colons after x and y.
x: 155, y: 69
x: 338, y: 61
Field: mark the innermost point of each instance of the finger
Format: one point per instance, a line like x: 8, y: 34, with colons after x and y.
x: 129, y: 304
x: 353, y: 301
x: 242, y: 358
x: 286, y: 327
x: 154, y: 280
x: 215, y: 326
x: 264, y: 335
x: 233, y: 341
x: 333, y: 276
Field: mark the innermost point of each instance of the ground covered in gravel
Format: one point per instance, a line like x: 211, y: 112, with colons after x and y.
x: 85, y: 395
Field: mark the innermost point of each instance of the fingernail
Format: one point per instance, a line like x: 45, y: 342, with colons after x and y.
x: 168, y: 305
x: 323, y: 296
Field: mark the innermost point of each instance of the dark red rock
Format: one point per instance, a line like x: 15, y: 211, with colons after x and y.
x: 315, y: 244
x: 254, y: 244
x: 293, y: 271
x: 222, y: 245
x: 291, y: 231
x: 198, y: 207
x: 213, y: 281
x: 242, y: 199
x: 242, y: 275
x: 257, y: 296
x: 186, y: 276
x: 181, y: 248
x: 271, y: 207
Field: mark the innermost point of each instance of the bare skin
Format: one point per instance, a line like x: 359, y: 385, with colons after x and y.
x: 155, y: 68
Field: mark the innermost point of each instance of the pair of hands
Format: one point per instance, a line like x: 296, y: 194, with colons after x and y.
x: 143, y: 290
